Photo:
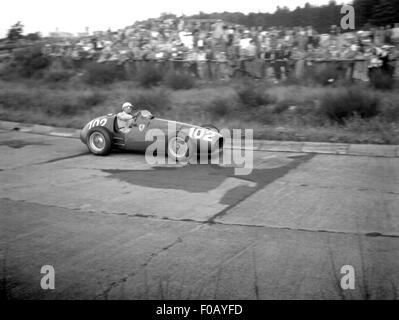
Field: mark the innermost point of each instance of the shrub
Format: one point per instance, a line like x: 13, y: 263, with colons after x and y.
x: 58, y: 76
x: 8, y: 72
x: 298, y: 106
x: 381, y: 80
x: 50, y: 102
x: 390, y: 108
x: 92, y: 99
x: 263, y: 115
x: 14, y: 100
x: 345, y: 103
x: 179, y: 80
x: 327, y: 75
x: 29, y: 62
x: 103, y: 73
x: 251, y: 96
x: 64, y: 108
x: 155, y: 100
x: 220, y: 107
x: 149, y: 76
x: 283, y: 106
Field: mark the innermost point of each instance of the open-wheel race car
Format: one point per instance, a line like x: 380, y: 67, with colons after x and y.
x: 182, y: 140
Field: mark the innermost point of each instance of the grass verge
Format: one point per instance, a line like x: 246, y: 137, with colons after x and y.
x: 297, y: 113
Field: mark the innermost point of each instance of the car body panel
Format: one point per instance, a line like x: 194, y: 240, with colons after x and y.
x: 134, y: 139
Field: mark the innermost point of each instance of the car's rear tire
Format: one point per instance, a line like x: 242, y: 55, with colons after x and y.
x: 99, y: 142
x: 181, y: 148
x: 210, y: 127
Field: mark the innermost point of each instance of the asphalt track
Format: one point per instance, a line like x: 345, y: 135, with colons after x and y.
x: 117, y: 228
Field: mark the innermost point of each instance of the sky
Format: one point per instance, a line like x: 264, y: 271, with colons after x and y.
x: 74, y: 15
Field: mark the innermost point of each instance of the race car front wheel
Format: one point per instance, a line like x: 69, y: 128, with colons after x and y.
x: 180, y: 148
x: 99, y: 142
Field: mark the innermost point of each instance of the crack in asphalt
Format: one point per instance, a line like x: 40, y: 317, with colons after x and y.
x: 27, y: 130
x: 318, y: 186
x: 63, y: 158
x: 217, y: 271
x: 46, y: 162
x: 144, y: 265
x: 256, y: 287
x: 206, y: 222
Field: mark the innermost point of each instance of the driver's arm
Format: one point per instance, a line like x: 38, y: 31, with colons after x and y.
x: 135, y: 115
x: 134, y: 118
x: 124, y: 116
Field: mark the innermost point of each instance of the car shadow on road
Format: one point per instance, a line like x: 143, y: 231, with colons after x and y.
x: 202, y: 178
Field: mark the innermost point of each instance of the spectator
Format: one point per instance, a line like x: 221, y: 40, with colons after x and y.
x: 230, y: 45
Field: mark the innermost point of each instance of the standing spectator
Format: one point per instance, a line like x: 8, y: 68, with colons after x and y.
x: 388, y: 34
x: 286, y: 63
x: 218, y: 30
x: 310, y: 35
x: 395, y: 42
x: 278, y: 61
x: 395, y: 35
x: 302, y: 39
x: 201, y: 63
x: 298, y: 57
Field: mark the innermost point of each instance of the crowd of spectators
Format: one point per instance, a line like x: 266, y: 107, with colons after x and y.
x: 199, y: 41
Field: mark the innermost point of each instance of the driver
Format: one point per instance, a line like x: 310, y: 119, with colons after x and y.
x: 126, y: 118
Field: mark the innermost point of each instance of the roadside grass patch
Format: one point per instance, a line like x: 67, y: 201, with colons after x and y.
x: 103, y: 73
x: 356, y: 114
x: 57, y: 76
x: 149, y: 76
x: 221, y: 107
x: 179, y: 80
x: 344, y: 103
x: 252, y: 96
x: 29, y: 62
x: 50, y: 102
x: 155, y: 100
x: 327, y: 75
x: 382, y: 81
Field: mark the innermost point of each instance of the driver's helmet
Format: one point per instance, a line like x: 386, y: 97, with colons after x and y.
x: 127, y: 105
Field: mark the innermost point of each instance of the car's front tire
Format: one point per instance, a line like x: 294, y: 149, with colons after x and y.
x: 99, y: 142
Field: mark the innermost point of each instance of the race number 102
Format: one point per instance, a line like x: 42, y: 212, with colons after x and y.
x: 199, y: 133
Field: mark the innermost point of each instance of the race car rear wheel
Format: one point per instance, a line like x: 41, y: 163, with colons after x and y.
x: 99, y: 142
x: 210, y: 127
x: 180, y: 148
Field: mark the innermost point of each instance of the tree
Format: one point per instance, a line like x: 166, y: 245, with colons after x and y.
x: 384, y: 13
x: 376, y: 12
x: 364, y: 11
x: 33, y: 36
x: 15, y: 31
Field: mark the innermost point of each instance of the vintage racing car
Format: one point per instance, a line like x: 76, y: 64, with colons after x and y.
x: 102, y: 134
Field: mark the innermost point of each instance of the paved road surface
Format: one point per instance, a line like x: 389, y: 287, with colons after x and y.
x: 116, y: 227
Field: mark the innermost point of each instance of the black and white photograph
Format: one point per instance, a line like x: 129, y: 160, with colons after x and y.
x: 186, y: 152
